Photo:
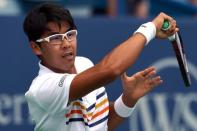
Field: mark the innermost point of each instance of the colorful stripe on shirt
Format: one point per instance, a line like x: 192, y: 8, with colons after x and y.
x: 92, y: 115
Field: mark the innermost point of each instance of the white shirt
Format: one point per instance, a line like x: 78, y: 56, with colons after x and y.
x: 48, y: 104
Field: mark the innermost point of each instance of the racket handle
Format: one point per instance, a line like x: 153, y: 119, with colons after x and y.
x: 173, y: 37
x: 166, y: 26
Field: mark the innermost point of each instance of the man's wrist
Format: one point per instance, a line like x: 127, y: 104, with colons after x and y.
x: 121, y: 109
x: 128, y: 101
x: 148, y: 30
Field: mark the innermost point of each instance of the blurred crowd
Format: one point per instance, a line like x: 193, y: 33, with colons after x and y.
x: 111, y: 8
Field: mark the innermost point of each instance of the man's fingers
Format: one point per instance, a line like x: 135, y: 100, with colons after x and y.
x: 147, y: 71
x: 155, y: 81
x: 167, y: 17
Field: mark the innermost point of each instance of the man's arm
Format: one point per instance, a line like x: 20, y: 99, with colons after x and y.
x: 109, y: 68
x: 135, y: 87
x: 114, y: 119
x: 116, y: 62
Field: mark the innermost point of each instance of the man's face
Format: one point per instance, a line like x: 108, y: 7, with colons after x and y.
x: 58, y: 57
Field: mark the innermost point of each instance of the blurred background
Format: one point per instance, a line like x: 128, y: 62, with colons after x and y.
x: 102, y: 25
x: 110, y: 8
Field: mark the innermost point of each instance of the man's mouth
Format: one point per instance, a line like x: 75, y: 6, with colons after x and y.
x: 68, y: 55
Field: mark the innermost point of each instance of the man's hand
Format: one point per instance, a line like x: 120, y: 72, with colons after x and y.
x: 139, y: 85
x: 159, y: 20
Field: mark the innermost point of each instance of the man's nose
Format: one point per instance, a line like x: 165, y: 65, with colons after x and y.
x: 65, y: 43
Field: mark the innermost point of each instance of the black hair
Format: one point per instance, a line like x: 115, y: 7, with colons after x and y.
x: 35, y: 23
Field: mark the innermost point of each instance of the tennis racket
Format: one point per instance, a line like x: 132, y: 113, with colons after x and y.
x: 178, y: 48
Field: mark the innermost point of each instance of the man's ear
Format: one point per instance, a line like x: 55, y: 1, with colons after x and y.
x: 35, y: 48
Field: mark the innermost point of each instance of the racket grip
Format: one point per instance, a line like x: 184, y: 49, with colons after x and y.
x: 172, y: 38
x: 166, y: 26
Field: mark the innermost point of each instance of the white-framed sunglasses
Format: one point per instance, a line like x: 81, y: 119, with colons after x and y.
x: 58, y: 38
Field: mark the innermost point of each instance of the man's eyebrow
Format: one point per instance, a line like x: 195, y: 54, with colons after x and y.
x: 50, y: 32
x: 68, y: 30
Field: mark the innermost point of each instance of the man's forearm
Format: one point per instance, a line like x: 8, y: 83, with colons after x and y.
x: 114, y: 119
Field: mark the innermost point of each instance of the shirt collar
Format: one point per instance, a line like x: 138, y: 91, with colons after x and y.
x: 44, y: 69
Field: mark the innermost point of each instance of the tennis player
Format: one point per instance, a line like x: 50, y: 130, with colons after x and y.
x: 69, y: 94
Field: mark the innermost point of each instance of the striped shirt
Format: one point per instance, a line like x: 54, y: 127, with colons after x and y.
x: 49, y: 108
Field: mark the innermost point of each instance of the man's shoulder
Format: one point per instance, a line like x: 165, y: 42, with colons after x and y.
x: 85, y: 60
x: 43, y: 81
x: 82, y: 63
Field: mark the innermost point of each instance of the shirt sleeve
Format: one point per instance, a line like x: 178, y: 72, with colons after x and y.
x: 53, y: 93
